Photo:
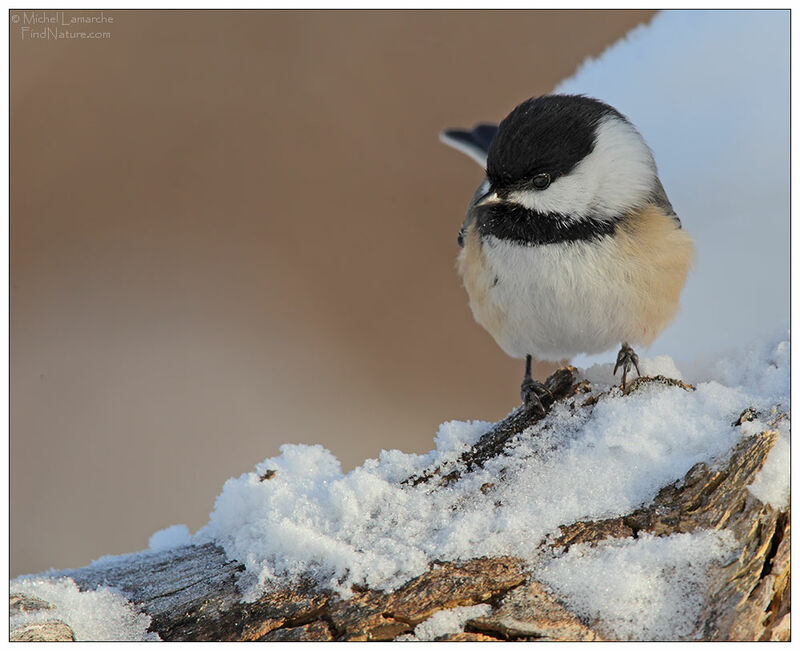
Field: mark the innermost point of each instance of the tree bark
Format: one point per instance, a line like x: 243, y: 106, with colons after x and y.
x: 191, y: 592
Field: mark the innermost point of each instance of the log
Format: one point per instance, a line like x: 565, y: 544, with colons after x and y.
x: 191, y: 593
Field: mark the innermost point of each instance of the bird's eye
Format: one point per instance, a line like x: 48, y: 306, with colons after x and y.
x: 541, y: 181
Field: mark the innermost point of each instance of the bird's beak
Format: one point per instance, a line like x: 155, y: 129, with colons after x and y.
x: 488, y: 198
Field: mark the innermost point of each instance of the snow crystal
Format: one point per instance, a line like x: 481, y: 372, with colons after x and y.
x: 645, y: 589
x: 366, y: 527
x: 97, y: 615
x: 445, y: 622
x: 174, y: 536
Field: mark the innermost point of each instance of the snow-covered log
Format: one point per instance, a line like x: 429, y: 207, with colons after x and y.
x: 194, y: 592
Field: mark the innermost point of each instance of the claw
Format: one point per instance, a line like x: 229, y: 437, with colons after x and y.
x: 532, y: 393
x: 625, y: 358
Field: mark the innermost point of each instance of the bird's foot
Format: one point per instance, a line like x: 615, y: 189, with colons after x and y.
x: 533, y: 393
x: 626, y: 358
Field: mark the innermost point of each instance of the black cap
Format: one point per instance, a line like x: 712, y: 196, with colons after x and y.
x: 551, y: 133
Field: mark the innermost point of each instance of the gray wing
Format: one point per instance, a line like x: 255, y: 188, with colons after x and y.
x: 659, y: 197
x: 474, y: 143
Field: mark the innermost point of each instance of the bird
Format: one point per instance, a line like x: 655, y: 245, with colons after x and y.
x: 569, y: 244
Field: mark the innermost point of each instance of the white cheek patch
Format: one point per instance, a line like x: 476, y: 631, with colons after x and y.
x: 568, y: 195
x: 618, y: 175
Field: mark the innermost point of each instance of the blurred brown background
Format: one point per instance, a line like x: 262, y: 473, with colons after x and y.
x: 231, y: 230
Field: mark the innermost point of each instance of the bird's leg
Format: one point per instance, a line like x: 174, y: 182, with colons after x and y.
x: 532, y: 391
x: 625, y: 358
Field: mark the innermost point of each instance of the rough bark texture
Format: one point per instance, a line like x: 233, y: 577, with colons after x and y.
x: 191, y: 592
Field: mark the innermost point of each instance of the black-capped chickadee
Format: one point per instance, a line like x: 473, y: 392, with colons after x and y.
x: 570, y: 244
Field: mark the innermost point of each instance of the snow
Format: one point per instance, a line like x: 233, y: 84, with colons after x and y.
x: 760, y: 364
x: 307, y: 517
x: 771, y: 485
x: 173, y: 536
x: 644, y: 589
x: 365, y: 527
x: 98, y: 615
x: 709, y: 91
x: 445, y: 622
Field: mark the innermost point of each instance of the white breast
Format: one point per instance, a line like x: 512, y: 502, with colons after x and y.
x: 554, y: 301
x: 557, y: 300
